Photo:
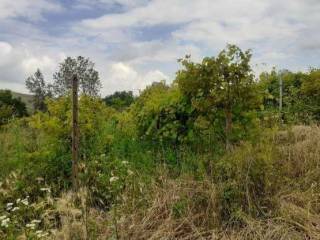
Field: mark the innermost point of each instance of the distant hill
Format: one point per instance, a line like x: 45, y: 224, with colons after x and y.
x: 26, y: 98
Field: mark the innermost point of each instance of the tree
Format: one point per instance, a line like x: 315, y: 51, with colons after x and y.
x: 223, y: 83
x: 10, y: 107
x: 159, y: 115
x: 89, y: 82
x: 300, y: 95
x: 311, y: 93
x: 119, y: 100
x: 40, y: 90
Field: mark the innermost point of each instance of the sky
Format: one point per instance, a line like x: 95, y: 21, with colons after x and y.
x: 136, y: 42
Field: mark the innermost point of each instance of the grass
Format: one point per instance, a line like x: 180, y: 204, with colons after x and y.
x: 187, y: 208
x: 266, y: 189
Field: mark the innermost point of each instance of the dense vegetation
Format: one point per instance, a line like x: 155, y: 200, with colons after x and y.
x: 10, y: 107
x: 208, y: 156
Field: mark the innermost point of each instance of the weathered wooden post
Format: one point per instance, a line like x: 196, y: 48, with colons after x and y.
x: 75, y: 132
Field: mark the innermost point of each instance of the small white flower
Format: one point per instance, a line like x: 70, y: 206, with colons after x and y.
x: 39, y: 232
x: 9, y: 204
x: 45, y: 189
x: 15, y: 209
x: 39, y: 179
x: 3, y: 217
x: 4, y: 225
x: 36, y: 221
x: 25, y: 201
x: 18, y: 200
x: 113, y: 179
x: 31, y: 225
x: 5, y: 222
x: 43, y: 235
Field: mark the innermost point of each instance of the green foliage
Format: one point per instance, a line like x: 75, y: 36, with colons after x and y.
x: 221, y: 90
x: 119, y: 100
x: 108, y: 177
x: 160, y: 114
x: 10, y: 107
x: 52, y: 131
x: 300, y: 95
x: 310, y: 90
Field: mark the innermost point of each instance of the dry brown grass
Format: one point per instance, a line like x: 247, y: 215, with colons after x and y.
x: 187, y: 209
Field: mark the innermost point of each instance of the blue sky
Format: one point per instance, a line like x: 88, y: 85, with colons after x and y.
x: 136, y: 42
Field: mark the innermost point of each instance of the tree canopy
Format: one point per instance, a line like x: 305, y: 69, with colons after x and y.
x: 89, y: 82
x: 40, y: 90
x: 120, y: 99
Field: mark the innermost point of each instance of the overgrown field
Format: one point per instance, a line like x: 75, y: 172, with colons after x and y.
x: 207, y: 157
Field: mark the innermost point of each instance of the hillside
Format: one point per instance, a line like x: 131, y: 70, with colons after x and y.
x: 26, y: 98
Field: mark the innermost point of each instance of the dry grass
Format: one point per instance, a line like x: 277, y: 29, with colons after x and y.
x: 201, y: 218
x: 187, y: 209
x: 298, y: 201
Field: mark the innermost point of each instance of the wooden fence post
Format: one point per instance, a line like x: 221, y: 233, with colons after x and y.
x: 75, y: 132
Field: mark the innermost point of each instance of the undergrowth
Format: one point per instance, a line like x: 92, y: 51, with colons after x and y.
x: 265, y: 189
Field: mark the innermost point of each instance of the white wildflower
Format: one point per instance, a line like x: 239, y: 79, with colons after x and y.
x: 31, y: 225
x: 39, y: 179
x: 36, y: 221
x: 3, y: 217
x: 39, y: 232
x: 18, y: 200
x: 113, y: 179
x: 25, y: 201
x: 43, y: 235
x: 5, y: 222
x: 15, y: 209
x: 45, y: 189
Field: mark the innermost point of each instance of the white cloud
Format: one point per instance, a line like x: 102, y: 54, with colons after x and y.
x: 32, y: 9
x: 121, y: 76
x: 130, y: 52
x: 18, y: 62
x: 267, y: 24
x: 5, y: 49
x: 109, y: 3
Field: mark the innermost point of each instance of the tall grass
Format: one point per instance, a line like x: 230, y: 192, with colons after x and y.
x: 263, y: 189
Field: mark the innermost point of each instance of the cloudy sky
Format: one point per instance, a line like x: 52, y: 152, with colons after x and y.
x: 136, y: 42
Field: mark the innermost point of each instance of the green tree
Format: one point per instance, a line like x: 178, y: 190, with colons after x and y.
x: 223, y: 83
x: 300, y: 95
x: 10, y: 107
x: 89, y: 81
x: 310, y: 90
x: 40, y: 90
x: 119, y: 100
x: 159, y: 114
